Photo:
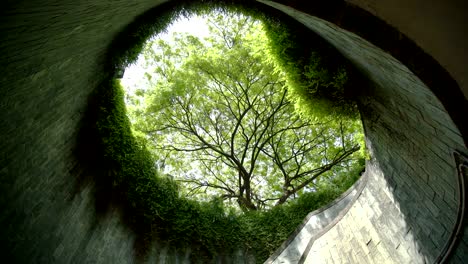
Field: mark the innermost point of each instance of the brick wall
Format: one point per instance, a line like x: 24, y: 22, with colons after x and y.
x: 51, y: 56
x: 51, y: 59
x: 316, y: 224
x: 409, y: 209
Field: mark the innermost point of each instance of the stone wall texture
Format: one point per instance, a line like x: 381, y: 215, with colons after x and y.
x: 317, y: 223
x: 408, y: 211
x: 52, y: 57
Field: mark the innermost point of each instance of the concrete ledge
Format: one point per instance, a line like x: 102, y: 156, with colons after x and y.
x: 316, y: 224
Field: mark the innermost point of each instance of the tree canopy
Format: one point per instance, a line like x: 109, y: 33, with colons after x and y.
x: 219, y: 118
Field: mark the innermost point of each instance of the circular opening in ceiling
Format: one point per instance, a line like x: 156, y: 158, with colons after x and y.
x: 226, y: 119
x: 334, y: 130
x: 161, y: 189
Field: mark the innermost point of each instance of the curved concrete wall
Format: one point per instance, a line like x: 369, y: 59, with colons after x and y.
x: 317, y: 223
x: 408, y: 212
x: 52, y: 58
x: 437, y: 26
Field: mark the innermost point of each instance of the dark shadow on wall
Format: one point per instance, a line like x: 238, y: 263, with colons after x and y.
x: 414, y: 155
x: 386, y: 37
x: 97, y: 174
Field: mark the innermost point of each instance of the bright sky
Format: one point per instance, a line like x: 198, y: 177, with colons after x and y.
x: 134, y: 74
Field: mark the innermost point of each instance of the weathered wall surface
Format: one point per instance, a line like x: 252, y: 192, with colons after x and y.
x: 408, y: 212
x: 51, y: 56
x: 316, y: 224
x: 51, y: 59
x: 434, y: 25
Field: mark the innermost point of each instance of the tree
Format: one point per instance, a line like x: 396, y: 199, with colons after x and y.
x: 219, y: 119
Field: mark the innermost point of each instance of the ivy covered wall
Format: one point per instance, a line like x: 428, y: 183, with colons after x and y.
x: 53, y: 57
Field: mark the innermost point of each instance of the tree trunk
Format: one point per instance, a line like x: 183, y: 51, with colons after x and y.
x: 246, y: 205
x: 284, y: 197
x: 246, y: 202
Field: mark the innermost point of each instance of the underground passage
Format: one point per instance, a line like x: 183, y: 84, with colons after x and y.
x: 58, y: 200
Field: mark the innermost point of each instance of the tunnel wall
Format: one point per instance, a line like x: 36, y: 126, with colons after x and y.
x: 409, y: 210
x: 316, y: 223
x: 52, y: 58
x: 436, y: 26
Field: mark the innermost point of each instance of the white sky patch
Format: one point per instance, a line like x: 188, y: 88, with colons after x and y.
x: 134, y: 74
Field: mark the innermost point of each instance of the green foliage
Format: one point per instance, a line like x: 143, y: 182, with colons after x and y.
x: 217, y: 118
x: 317, y: 77
x: 154, y: 205
x: 207, y: 227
